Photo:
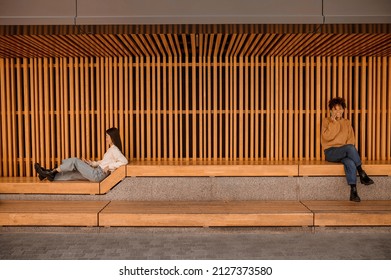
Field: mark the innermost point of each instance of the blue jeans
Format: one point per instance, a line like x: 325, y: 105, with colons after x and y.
x: 76, y: 169
x: 350, y: 158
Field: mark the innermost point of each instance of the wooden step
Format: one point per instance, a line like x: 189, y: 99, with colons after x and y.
x: 50, y: 213
x: 206, y: 213
x: 347, y: 213
x: 32, y: 185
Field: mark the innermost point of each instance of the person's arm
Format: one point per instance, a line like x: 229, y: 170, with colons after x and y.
x: 119, y: 160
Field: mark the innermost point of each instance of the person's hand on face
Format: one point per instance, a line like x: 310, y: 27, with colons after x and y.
x: 336, y: 113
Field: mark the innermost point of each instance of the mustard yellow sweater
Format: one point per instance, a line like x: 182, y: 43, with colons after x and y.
x: 337, y: 133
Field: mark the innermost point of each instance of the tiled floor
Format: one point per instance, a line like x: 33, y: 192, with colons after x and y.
x: 194, y: 243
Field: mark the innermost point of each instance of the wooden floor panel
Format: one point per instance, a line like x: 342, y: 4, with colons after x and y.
x: 347, y: 213
x: 206, y: 213
x: 50, y: 213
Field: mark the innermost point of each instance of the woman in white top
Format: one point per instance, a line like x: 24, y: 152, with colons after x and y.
x: 95, y: 171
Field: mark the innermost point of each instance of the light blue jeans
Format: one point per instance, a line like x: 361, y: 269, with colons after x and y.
x: 76, y: 169
x: 350, y: 158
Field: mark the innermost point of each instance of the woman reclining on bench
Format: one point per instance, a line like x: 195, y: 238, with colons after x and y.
x: 338, y: 144
x: 94, y: 171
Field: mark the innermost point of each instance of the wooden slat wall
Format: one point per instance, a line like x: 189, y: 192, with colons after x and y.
x: 175, y: 106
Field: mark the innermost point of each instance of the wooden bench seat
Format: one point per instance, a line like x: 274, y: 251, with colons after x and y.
x: 325, y: 168
x: 346, y: 213
x: 50, y: 213
x: 206, y: 213
x: 194, y: 213
x: 32, y: 185
x: 211, y: 168
x: 177, y: 168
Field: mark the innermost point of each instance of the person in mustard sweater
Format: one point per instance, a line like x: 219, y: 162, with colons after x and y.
x: 338, y: 144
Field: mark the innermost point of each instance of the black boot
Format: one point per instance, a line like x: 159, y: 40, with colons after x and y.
x: 353, y: 194
x: 45, y: 173
x: 364, y: 179
x: 41, y: 177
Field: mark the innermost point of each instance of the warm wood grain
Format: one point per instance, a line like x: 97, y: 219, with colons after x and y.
x: 347, y: 213
x: 208, y: 96
x: 207, y: 213
x: 50, y: 213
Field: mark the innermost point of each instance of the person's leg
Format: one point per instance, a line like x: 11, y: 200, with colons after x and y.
x: 69, y: 176
x: 340, y: 154
x: 87, y: 171
x: 352, y: 153
x: 350, y: 171
x: 336, y: 154
x: 351, y: 177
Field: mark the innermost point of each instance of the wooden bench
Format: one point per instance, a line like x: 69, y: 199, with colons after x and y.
x: 324, y: 168
x: 32, y: 185
x: 182, y: 168
x: 50, y: 213
x: 211, y: 168
x: 206, y: 213
x: 346, y: 213
x: 195, y: 213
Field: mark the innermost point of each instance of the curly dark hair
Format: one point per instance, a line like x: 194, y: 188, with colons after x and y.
x: 337, y: 101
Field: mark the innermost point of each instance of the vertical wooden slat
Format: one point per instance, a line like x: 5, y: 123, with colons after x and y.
x: 131, y: 109
x: 78, y: 145
x: 318, y: 110
x: 378, y: 109
x: 307, y: 109
x: 137, y: 109
x: 252, y: 108
x: 240, y: 95
x: 148, y: 107
x: 269, y: 79
x: 226, y: 106
x: 369, y: 131
x: 363, y: 93
x: 301, y: 109
x: 383, y: 110
x: 33, y: 104
x: 13, y: 142
x: 20, y: 145
x: 296, y: 108
x: 258, y: 112
x: 154, y: 98
x: 127, y: 132
x: 3, y: 118
x: 388, y: 106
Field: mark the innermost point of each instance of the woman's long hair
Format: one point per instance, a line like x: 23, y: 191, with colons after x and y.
x: 115, y: 138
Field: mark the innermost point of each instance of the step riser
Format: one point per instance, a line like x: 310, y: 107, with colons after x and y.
x: 231, y: 188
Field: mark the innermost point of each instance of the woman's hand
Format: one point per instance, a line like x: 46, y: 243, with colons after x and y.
x: 106, y: 170
x: 333, y: 117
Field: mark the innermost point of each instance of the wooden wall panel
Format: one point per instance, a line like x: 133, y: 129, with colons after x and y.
x: 175, y: 106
